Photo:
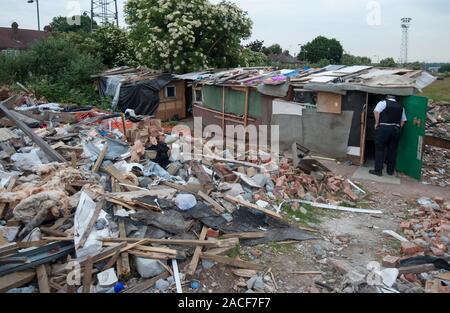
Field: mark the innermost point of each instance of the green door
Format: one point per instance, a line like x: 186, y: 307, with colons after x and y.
x: 410, y: 154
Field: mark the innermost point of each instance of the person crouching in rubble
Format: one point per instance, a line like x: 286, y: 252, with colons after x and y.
x: 390, y: 117
x: 162, y: 152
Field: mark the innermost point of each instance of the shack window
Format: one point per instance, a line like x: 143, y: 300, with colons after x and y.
x: 171, y: 92
x: 198, y: 96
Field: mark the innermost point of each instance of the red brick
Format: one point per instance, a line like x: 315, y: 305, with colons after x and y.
x: 405, y: 225
x: 439, y: 200
x: 390, y: 261
x: 212, y: 233
x: 410, y: 248
x: 412, y: 278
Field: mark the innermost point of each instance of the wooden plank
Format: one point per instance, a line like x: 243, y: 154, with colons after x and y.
x: 100, y: 159
x: 177, y: 186
x: 157, y: 250
x: 416, y: 269
x: 16, y: 280
x: 328, y: 102
x: 151, y: 255
x: 124, y: 258
x: 87, y: 277
x: 112, y: 260
x: 181, y: 242
x: 73, y: 159
x: 91, y: 224
x: 149, y: 283
x: 45, y: 147
x: 232, y: 262
x: 246, y: 235
x: 216, y: 206
x: 437, y: 142
x: 10, y: 187
x: 253, y: 206
x: 112, y: 171
x: 42, y: 278
x: 198, y: 250
x: 244, y: 273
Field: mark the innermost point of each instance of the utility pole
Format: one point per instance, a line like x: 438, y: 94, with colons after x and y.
x: 38, y: 15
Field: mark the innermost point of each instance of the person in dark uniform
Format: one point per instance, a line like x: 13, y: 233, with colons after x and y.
x: 390, y: 117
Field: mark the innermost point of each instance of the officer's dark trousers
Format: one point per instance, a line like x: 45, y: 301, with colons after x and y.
x: 386, y: 139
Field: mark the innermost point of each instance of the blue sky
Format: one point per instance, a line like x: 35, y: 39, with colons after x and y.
x: 294, y: 22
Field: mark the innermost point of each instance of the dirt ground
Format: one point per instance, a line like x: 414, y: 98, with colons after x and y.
x: 352, y: 237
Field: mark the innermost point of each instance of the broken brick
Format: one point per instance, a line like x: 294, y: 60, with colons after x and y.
x: 390, y: 261
x: 212, y: 233
x: 410, y: 248
x: 439, y: 200
x: 405, y: 225
x: 412, y: 278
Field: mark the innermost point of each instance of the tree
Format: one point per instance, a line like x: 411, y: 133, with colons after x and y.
x: 444, y: 68
x: 187, y: 35
x: 322, y: 48
x: 59, y: 24
x: 273, y: 49
x: 256, y: 46
x: 348, y: 59
x: 116, y: 48
x: 249, y: 58
x: 388, y: 62
x: 415, y: 65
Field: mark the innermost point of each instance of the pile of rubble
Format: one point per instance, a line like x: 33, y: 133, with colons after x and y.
x: 95, y: 202
x: 423, y: 264
x: 438, y: 120
x: 436, y: 161
x: 436, y: 166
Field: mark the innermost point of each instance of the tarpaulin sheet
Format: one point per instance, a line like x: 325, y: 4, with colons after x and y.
x: 249, y: 220
x: 141, y: 96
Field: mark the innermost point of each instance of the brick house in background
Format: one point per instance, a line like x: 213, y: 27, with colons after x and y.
x: 13, y: 39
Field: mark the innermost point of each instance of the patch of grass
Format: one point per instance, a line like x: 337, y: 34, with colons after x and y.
x: 281, y: 248
x: 438, y: 91
x: 234, y: 252
x: 311, y: 216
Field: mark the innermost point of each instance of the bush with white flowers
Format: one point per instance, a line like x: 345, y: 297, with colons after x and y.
x: 187, y: 35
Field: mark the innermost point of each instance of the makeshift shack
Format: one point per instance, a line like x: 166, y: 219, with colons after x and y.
x: 327, y: 110
x: 144, y: 91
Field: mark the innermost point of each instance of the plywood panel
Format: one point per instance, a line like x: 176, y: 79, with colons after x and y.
x: 329, y: 103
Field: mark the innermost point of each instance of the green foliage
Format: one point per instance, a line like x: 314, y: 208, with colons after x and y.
x: 116, y: 48
x: 445, y: 68
x: 388, y: 62
x: 13, y: 68
x: 348, y: 59
x: 249, y: 58
x: 56, y: 70
x: 59, y: 24
x: 273, y: 49
x: 322, y: 48
x: 186, y: 35
x: 256, y: 46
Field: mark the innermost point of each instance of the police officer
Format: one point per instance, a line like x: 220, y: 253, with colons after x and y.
x: 390, y: 117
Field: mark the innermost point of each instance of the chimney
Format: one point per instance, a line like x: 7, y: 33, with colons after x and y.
x: 15, y: 31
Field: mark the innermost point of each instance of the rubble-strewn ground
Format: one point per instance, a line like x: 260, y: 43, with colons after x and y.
x: 109, y: 200
x: 353, y: 238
